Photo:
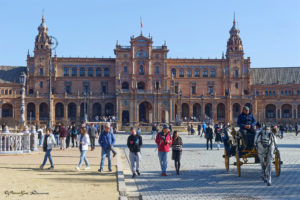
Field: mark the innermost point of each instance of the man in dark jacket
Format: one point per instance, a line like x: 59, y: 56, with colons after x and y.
x: 106, y: 140
x: 247, y: 123
x: 134, y: 143
x: 209, y: 136
x: 92, y: 133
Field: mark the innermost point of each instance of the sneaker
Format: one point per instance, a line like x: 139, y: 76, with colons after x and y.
x: 87, y: 168
x: 42, y: 166
x: 164, y: 174
x: 138, y: 172
x: 100, y: 170
x: 77, y: 168
x: 133, y: 175
x: 51, y: 168
x: 114, y: 154
x: 109, y: 170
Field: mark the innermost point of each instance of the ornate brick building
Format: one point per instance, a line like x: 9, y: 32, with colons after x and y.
x: 142, y: 85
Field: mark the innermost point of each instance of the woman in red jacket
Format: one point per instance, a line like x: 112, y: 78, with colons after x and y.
x: 163, y: 141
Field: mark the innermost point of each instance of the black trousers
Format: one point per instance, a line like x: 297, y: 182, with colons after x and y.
x: 248, y: 136
x: 92, y: 142
x: 68, y: 141
x: 209, y: 140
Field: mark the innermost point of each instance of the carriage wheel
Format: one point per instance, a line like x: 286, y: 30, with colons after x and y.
x: 277, y: 163
x: 226, y: 157
x: 238, y: 163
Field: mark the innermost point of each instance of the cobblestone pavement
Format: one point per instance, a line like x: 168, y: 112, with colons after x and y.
x: 203, y: 174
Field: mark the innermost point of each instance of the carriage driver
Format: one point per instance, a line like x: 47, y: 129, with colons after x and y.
x: 247, y: 123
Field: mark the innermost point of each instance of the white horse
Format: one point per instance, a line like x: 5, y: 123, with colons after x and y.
x: 265, y: 141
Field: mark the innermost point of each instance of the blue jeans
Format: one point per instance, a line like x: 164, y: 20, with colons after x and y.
x: 104, y: 153
x: 56, y: 136
x: 40, y: 141
x: 282, y: 133
x: 163, y: 160
x: 48, y: 155
x: 83, y: 157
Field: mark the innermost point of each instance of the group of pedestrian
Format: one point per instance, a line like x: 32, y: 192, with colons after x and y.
x: 85, y: 138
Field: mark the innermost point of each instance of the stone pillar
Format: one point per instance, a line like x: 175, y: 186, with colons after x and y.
x: 33, y: 139
x: 37, y: 113
x: 26, y: 140
x: 78, y: 112
x: 66, y: 112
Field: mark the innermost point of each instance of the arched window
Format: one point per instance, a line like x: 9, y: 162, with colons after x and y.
x: 189, y: 73
x: 106, y: 72
x: 181, y: 73
x: 125, y: 85
x: 156, y: 69
x: 213, y: 73
x: 141, y: 85
x: 205, y: 74
x: 236, y: 73
x: 173, y: 72
x: 98, y: 72
x: 141, y: 70
x: 197, y: 73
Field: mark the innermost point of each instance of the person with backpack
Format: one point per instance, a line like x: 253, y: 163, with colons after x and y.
x: 199, y: 130
x: 62, y: 137
x: 84, y: 141
x: 106, y: 141
x: 74, y: 136
x: 209, y: 136
x: 163, y: 141
x: 218, y: 133
x: 176, y: 150
x: 134, y: 143
x: 48, y: 143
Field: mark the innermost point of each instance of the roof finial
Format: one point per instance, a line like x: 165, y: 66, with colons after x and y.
x: 43, y: 16
x: 234, y: 18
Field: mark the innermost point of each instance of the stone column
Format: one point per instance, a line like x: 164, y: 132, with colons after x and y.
x: 66, y: 112
x: 33, y: 140
x: 78, y: 112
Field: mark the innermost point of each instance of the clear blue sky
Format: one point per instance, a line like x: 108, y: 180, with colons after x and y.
x: 270, y: 29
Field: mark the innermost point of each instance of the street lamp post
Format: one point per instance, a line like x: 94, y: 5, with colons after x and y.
x: 157, y: 86
x: 180, y: 94
x: 202, y: 114
x: 22, y: 110
x: 53, y: 44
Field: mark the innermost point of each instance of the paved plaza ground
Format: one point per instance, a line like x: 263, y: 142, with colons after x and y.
x: 203, y: 173
x: 21, y: 172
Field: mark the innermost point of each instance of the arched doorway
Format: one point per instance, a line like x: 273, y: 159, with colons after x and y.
x: 96, y: 110
x: 7, y: 110
x: 72, y: 111
x: 197, y: 110
x: 145, y: 112
x: 270, y: 111
x: 185, y: 111
x: 125, y: 118
x: 286, y: 111
x: 236, y: 110
x: 249, y: 105
x: 109, y: 109
x: 31, y: 111
x: 44, y: 112
x: 59, y: 111
x: 221, y: 112
x: 208, y: 110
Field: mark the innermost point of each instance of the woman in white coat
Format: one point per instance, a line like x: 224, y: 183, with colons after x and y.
x: 47, y: 143
x: 84, y: 141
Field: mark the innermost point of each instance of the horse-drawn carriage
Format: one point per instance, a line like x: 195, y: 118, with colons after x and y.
x: 235, y: 146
